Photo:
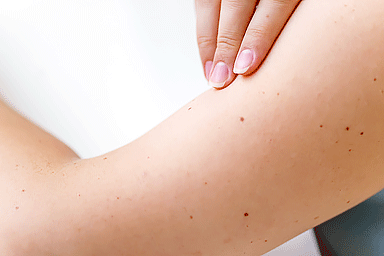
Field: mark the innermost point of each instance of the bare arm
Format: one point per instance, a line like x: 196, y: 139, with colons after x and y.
x: 235, y: 171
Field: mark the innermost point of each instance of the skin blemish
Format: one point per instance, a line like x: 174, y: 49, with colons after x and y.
x: 374, y: 79
x: 350, y: 150
x: 205, y: 183
x: 191, y: 217
x: 118, y: 198
x: 337, y: 141
x: 266, y: 240
x: 251, y: 241
x: 278, y: 94
x: 316, y: 218
x: 245, y: 214
x: 23, y: 190
x: 247, y: 225
x: 189, y: 108
x: 17, y: 165
x: 297, y: 221
x: 348, y: 202
x: 361, y: 133
x: 78, y: 194
x: 147, y: 157
x: 17, y: 207
x: 321, y: 126
x: 347, y: 128
x: 242, y: 119
x: 111, y: 216
x: 263, y: 92
x: 105, y: 158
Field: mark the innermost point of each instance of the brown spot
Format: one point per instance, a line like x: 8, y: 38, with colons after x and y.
x: 23, y: 190
x: 105, y: 158
x: 278, y: 94
x: 189, y: 108
x: 348, y: 202
x: 118, y: 198
x: 361, y: 133
x: 267, y: 16
x: 191, y: 217
x: 245, y: 214
x: 17, y: 165
x: 266, y: 240
x: 316, y: 217
x: 297, y: 221
x: 247, y: 225
x: 347, y: 128
x: 350, y: 150
x: 321, y: 126
x: 17, y: 207
x: 242, y: 119
x: 337, y: 141
x: 205, y: 183
x: 374, y: 79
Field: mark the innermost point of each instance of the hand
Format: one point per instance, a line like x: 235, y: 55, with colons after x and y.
x: 244, y: 30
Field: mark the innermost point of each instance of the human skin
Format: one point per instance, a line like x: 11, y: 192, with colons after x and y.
x: 235, y: 171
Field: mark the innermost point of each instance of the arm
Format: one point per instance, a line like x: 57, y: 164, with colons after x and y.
x: 238, y: 170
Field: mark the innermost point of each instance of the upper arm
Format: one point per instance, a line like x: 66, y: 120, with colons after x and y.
x: 247, y: 168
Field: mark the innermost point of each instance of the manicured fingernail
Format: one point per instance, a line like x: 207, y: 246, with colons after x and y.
x: 219, y: 75
x: 208, y: 67
x: 244, y: 61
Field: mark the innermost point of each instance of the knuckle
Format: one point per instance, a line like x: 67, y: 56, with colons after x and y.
x: 206, y: 41
x: 227, y: 42
x: 283, y: 2
x: 258, y: 32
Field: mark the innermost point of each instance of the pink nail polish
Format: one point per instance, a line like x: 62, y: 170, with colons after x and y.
x: 244, y: 61
x: 208, y: 67
x: 219, y: 75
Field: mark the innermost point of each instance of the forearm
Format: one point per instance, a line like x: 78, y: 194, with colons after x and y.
x: 242, y: 169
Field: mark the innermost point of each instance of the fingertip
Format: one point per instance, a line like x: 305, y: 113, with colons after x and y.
x: 244, y: 61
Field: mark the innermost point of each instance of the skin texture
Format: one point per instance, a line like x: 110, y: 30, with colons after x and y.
x: 238, y: 171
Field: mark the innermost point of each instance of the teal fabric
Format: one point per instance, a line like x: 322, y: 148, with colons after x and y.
x: 358, y: 231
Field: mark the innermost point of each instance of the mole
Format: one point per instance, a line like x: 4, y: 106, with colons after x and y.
x: 191, y: 217
x: 278, y: 94
x: 374, y: 79
x: 23, y: 190
x: 118, y: 198
x: 17, y: 207
x: 347, y: 128
x: 242, y: 119
x: 105, y: 158
x: 245, y: 214
x: 189, y: 108
x: 361, y: 133
x: 266, y: 240
x: 321, y: 126
x: 348, y: 202
x: 316, y: 217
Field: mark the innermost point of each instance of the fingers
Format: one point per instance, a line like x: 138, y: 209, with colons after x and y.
x: 207, y: 22
x: 267, y: 23
x: 235, y: 16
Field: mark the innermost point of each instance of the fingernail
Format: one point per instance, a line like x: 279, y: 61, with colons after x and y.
x: 219, y: 75
x: 208, y: 67
x: 244, y: 61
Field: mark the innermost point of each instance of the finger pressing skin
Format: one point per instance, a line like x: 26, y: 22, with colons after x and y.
x: 235, y: 16
x: 267, y: 23
x: 207, y: 22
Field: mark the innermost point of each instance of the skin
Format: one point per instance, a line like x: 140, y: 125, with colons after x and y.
x: 207, y: 182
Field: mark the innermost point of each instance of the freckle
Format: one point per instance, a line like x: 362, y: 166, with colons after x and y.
x: 266, y: 240
x: 118, y: 198
x: 242, y: 119
x: 361, y: 133
x: 23, y: 190
x: 105, y: 158
x: 350, y: 150
x: 347, y: 128
x: 245, y: 214
x: 205, y: 183
x: 251, y: 241
x: 297, y: 221
x: 189, y: 108
x: 348, y: 202
x: 337, y: 141
x: 316, y: 217
x: 53, y: 172
x: 191, y: 217
x: 278, y: 94
x: 17, y: 165
x: 321, y: 126
x: 17, y: 207
x: 247, y: 225
x: 374, y: 79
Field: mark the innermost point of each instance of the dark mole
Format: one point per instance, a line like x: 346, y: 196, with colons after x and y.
x: 191, y: 217
x: 350, y: 150
x: 348, y: 202
x: 245, y: 214
x: 361, y: 133
x: 347, y: 128
x: 105, y: 158
x: 316, y: 217
x: 266, y: 240
x: 17, y: 207
x: 321, y: 126
x: 242, y: 119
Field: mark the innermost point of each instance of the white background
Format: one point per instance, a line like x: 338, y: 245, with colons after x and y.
x: 98, y: 74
